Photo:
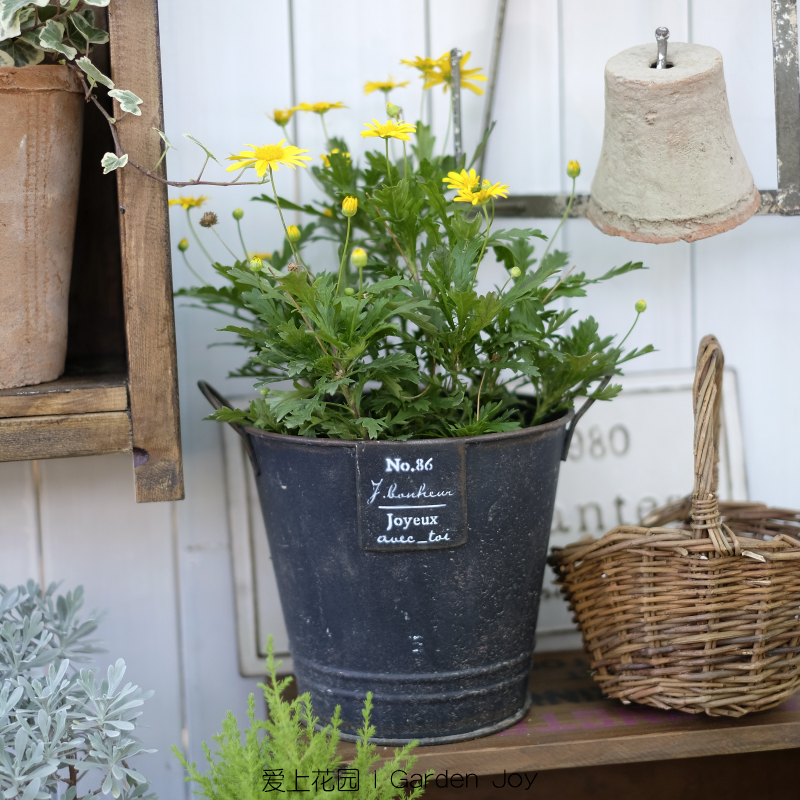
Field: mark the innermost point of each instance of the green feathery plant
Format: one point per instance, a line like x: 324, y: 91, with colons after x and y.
x: 397, y: 343
x: 285, y: 754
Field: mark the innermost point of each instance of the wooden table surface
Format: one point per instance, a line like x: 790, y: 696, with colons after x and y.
x: 571, y: 724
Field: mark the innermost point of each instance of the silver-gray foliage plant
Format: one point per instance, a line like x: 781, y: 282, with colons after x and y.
x: 61, y: 726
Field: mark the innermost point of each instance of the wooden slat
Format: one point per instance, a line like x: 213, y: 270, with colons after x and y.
x: 146, y: 265
x: 83, y: 394
x: 27, y: 438
x: 571, y: 724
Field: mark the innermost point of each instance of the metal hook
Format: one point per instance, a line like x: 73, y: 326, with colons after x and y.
x: 662, y: 34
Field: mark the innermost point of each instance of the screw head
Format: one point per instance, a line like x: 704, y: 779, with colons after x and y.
x: 662, y: 33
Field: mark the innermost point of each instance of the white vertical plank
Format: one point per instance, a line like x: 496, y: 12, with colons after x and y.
x: 96, y: 535
x: 18, y: 524
x: 748, y: 282
x: 222, y: 99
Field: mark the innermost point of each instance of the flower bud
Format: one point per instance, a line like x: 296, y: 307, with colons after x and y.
x: 358, y: 257
x: 515, y: 272
x: 264, y: 391
x: 573, y: 169
x: 392, y: 110
x: 183, y: 245
x: 256, y: 264
x: 640, y: 306
x: 349, y: 291
x: 238, y: 214
x: 293, y: 233
x: 350, y: 206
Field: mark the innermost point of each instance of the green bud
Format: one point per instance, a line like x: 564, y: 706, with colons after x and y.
x: 183, y: 245
x: 515, y: 272
x: 392, y: 110
x: 264, y: 391
x: 640, y: 306
x: 256, y: 264
x: 349, y: 291
x: 238, y: 213
x: 358, y: 257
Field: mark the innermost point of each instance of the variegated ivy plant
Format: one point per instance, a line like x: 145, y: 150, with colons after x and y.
x: 61, y: 32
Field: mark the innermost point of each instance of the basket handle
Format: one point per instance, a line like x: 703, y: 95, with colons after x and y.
x: 218, y: 401
x: 707, y: 400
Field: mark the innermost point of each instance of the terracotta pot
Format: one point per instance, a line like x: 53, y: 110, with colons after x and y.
x: 41, y: 125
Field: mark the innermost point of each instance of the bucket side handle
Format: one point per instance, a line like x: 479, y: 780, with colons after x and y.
x: 576, y: 419
x: 218, y: 401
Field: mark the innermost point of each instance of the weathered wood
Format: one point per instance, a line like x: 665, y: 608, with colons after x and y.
x: 146, y: 266
x: 571, y: 724
x: 81, y: 394
x: 26, y: 438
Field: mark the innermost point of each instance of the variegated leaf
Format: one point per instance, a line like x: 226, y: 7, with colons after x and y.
x: 111, y: 162
x: 5, y: 59
x: 86, y: 29
x: 128, y: 101
x: 13, y: 14
x: 51, y: 38
x: 23, y: 53
x: 93, y: 74
x: 98, y: 3
x: 167, y: 145
x: 200, y: 144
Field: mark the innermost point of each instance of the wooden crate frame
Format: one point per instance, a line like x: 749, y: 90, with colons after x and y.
x: 120, y: 390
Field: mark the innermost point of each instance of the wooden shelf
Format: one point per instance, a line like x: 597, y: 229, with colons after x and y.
x: 571, y: 724
x: 78, y: 415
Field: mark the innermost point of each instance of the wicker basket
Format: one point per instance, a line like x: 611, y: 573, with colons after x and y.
x: 698, y: 617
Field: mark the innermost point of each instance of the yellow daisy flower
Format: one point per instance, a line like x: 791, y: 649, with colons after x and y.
x: 268, y: 155
x: 188, y: 202
x: 462, y: 180
x: 424, y: 65
x: 391, y: 129
x: 326, y: 158
x: 444, y: 76
x: 318, y: 108
x: 487, y: 192
x: 383, y: 86
x: 328, y: 212
x: 281, y: 116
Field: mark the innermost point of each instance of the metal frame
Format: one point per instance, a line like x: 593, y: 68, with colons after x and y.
x: 783, y: 201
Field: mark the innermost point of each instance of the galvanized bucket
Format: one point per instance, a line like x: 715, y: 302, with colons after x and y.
x: 412, y: 570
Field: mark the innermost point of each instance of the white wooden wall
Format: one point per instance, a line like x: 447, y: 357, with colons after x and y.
x: 164, y: 571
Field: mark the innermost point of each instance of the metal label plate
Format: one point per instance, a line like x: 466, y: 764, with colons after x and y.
x: 411, y: 497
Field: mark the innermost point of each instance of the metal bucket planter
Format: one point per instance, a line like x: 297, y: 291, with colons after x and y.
x: 412, y: 570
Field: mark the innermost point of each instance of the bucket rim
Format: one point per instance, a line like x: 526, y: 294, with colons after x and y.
x: 560, y: 422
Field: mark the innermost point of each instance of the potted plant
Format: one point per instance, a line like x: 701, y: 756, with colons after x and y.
x: 408, y: 435
x: 44, y: 73
x: 63, y: 730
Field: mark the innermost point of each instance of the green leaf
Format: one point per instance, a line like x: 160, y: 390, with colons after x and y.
x: 51, y: 38
x: 167, y: 146
x: 93, y: 74
x: 21, y: 53
x: 13, y: 13
x: 201, y: 145
x: 111, y: 162
x: 128, y: 101
x: 86, y: 29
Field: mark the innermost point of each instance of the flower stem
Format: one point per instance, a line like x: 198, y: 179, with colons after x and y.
x: 449, y: 122
x: 421, y: 106
x: 388, y: 164
x: 485, y: 240
x: 325, y: 131
x: 283, y: 222
x: 223, y: 243
x: 638, y: 314
x: 405, y: 162
x: 241, y: 238
x: 197, y: 238
x: 192, y: 270
x: 344, y: 256
x: 565, y: 215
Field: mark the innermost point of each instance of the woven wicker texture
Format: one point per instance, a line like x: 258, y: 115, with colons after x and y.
x: 702, y: 616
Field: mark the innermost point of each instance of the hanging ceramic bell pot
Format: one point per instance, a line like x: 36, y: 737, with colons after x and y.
x: 670, y: 167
